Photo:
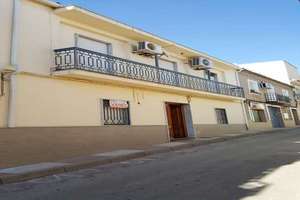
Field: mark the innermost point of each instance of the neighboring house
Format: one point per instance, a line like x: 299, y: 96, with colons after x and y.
x: 269, y: 103
x: 280, y: 70
x: 75, y: 82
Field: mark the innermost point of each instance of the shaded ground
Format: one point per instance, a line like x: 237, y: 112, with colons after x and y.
x: 259, y: 167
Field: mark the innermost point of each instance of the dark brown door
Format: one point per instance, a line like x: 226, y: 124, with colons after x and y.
x: 295, y: 115
x: 176, y: 122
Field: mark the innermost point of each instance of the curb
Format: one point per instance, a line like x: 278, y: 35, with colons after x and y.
x: 88, y: 162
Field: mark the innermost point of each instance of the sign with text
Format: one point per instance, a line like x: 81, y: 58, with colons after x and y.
x: 118, y: 104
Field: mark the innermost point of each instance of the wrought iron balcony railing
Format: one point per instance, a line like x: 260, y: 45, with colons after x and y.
x: 277, y: 98
x: 82, y: 59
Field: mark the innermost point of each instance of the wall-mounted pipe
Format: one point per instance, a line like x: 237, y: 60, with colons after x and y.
x: 14, y: 33
x: 13, y: 63
x: 2, y: 84
x: 242, y: 102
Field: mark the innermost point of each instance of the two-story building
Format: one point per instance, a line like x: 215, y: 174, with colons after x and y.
x: 269, y: 103
x: 75, y: 82
x: 280, y: 70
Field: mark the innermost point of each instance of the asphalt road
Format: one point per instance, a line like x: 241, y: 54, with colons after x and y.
x: 264, y: 167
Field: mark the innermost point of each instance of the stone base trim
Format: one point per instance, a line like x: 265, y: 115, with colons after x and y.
x: 20, y: 146
x: 211, y: 130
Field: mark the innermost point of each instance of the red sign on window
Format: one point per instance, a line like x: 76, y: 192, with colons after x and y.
x: 118, y: 104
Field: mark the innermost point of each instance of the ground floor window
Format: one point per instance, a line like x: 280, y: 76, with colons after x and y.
x: 221, y: 116
x: 286, y: 112
x: 116, y: 112
x: 259, y: 116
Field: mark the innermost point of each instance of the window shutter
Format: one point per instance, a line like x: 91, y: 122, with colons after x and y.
x: 92, y: 45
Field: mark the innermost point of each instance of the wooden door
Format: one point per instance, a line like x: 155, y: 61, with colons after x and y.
x: 176, y: 123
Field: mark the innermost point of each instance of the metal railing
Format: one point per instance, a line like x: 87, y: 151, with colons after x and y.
x: 82, y: 59
x: 274, y: 97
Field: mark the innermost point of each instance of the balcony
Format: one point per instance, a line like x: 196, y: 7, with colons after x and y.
x: 277, y: 98
x: 81, y: 59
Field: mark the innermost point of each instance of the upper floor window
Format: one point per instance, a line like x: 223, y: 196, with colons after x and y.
x: 285, y: 93
x: 93, y: 45
x: 253, y: 86
x: 270, y: 88
x: 166, y: 64
x: 211, y: 76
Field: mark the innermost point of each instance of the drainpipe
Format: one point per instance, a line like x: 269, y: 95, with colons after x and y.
x: 242, y: 102
x: 156, y: 60
x: 13, y: 64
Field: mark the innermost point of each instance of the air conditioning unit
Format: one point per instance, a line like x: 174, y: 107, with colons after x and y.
x: 257, y: 106
x: 146, y: 47
x: 200, y: 63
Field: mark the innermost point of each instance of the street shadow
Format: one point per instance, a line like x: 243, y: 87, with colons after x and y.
x: 253, y: 176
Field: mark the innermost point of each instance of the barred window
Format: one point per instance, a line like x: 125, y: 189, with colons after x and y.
x: 116, y: 112
x: 259, y: 116
x: 286, y: 112
x: 221, y: 116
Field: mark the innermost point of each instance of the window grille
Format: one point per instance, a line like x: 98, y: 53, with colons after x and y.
x: 221, y: 116
x: 115, y: 115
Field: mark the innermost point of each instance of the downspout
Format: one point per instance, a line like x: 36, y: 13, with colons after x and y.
x: 13, y: 64
x: 242, y: 102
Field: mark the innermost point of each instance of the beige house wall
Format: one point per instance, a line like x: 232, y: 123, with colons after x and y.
x: 35, y: 55
x: 203, y: 111
x: 5, y: 33
x: 60, y: 33
x: 76, y: 103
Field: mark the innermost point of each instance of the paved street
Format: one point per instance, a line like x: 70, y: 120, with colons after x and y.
x: 264, y: 167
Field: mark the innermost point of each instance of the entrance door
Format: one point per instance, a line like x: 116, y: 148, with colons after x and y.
x: 276, y: 117
x: 176, y: 122
x: 295, y: 115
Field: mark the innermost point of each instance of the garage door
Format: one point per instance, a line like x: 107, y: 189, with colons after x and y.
x: 276, y: 117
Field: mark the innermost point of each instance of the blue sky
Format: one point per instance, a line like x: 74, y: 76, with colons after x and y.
x: 238, y: 31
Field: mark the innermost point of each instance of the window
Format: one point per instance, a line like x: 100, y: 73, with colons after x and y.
x: 93, y: 45
x: 287, y: 115
x: 270, y: 88
x: 116, y: 112
x: 211, y: 75
x: 285, y: 93
x: 259, y: 116
x: 221, y: 116
x: 253, y: 86
x: 166, y: 64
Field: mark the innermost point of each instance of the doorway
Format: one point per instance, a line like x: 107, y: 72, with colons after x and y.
x: 176, y: 121
x: 296, y: 117
x: 276, y: 117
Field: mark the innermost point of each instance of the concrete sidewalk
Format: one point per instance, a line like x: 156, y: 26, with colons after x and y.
x: 27, y: 172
